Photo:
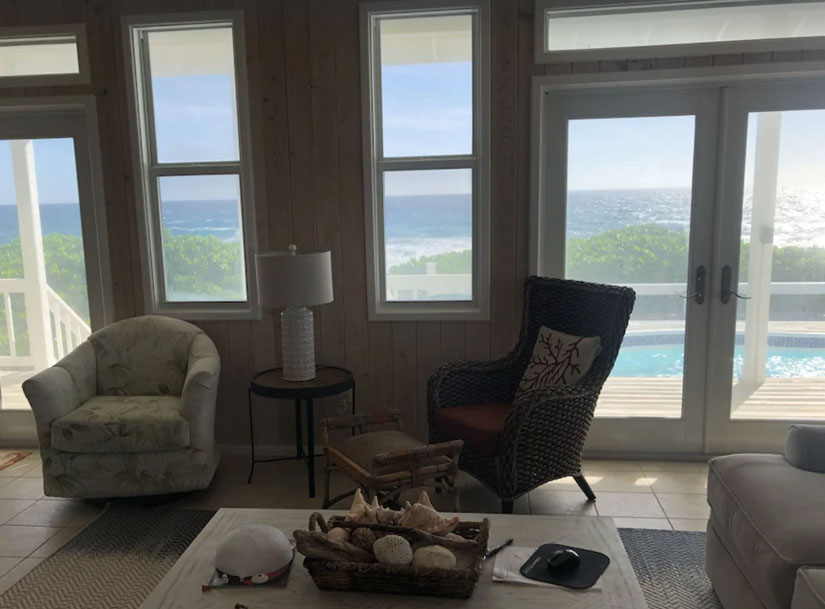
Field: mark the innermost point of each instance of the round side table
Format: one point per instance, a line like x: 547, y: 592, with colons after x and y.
x: 329, y: 381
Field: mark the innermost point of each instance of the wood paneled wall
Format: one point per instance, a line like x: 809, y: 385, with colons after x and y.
x: 305, y: 96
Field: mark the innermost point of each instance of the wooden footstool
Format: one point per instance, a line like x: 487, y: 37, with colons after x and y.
x: 385, y: 462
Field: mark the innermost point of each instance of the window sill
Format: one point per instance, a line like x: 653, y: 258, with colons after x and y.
x: 428, y: 311
x: 208, y: 311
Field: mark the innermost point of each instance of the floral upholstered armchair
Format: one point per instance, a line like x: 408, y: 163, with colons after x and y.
x: 517, y: 434
x: 129, y: 412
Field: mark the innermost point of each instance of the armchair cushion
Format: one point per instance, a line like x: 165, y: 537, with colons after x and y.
x: 143, y: 356
x: 559, y: 359
x: 115, y: 424
x: 479, y: 425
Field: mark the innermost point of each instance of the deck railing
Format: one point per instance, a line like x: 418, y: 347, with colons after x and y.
x: 67, y: 329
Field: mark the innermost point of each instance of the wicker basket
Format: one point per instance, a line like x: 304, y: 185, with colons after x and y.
x: 394, y: 579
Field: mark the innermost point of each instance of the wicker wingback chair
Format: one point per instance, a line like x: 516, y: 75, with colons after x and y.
x: 515, y: 444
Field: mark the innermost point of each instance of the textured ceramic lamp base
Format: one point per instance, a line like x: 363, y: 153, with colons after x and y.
x: 298, y: 344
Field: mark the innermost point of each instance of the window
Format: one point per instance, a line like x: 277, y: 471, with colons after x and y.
x: 195, y: 185
x: 425, y: 160
x: 677, y: 29
x: 44, y: 55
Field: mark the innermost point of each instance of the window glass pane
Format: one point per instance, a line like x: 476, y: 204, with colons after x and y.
x: 427, y: 85
x: 203, y: 256
x: 628, y: 216
x: 779, y: 353
x: 36, y: 56
x: 193, y: 93
x: 428, y: 234
x: 576, y: 30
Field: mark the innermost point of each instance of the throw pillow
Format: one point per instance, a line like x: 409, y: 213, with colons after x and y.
x: 559, y: 359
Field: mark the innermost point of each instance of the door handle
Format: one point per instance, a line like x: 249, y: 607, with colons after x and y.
x: 727, y: 274
x: 698, y: 294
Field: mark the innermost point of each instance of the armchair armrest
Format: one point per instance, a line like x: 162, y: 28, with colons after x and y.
x: 463, y: 383
x: 545, y: 433
x: 200, y: 392
x: 60, y: 389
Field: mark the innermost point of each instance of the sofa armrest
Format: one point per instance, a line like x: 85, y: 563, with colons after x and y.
x: 809, y: 590
x: 52, y: 394
x: 200, y: 392
x: 805, y: 447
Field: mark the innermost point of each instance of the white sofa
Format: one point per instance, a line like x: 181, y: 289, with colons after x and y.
x: 766, y: 533
x: 130, y: 412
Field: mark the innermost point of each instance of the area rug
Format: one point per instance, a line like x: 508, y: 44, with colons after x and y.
x: 9, y: 459
x: 114, y: 563
x: 670, y: 567
x: 119, y: 559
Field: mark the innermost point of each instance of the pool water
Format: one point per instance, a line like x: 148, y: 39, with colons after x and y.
x: 669, y: 360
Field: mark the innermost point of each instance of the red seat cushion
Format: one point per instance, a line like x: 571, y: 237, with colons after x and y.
x: 479, y: 425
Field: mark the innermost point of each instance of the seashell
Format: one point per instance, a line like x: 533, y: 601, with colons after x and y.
x: 363, y: 538
x: 393, y: 550
x: 425, y: 518
x: 338, y: 534
x: 360, y: 510
x: 384, y: 515
x: 455, y: 536
x: 430, y: 557
x: 260, y: 578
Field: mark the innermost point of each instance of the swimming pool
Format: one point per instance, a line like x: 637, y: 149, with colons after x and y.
x: 668, y: 360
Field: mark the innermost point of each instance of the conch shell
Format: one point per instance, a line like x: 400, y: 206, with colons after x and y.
x: 421, y: 515
x: 384, y: 515
x: 360, y: 510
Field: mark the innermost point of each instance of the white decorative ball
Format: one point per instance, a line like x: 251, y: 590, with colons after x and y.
x: 338, y: 534
x: 393, y: 550
x: 433, y: 557
x: 253, y: 551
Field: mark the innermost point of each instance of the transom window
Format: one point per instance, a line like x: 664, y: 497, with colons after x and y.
x: 425, y: 160
x: 195, y: 186
x: 45, y: 55
x: 567, y: 32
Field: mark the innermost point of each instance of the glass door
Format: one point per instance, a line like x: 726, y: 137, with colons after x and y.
x: 767, y: 355
x: 51, y: 267
x: 629, y: 191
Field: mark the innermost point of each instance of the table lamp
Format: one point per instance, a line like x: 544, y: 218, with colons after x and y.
x: 294, y: 281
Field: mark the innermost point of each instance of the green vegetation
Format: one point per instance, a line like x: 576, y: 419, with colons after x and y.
x: 207, y: 265
x: 195, y: 264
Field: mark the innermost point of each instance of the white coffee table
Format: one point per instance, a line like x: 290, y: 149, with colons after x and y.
x: 181, y: 588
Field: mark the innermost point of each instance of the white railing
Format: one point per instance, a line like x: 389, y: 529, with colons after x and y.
x: 9, y: 287
x: 777, y: 287
x: 423, y: 286
x: 68, y: 328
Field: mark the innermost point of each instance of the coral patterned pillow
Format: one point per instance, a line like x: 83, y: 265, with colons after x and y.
x: 559, y: 359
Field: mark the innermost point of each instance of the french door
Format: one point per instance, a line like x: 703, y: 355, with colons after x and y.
x: 53, y: 262
x: 669, y: 189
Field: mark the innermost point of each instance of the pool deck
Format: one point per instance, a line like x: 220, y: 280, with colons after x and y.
x: 776, y: 398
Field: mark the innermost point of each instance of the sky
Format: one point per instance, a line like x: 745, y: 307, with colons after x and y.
x: 427, y: 110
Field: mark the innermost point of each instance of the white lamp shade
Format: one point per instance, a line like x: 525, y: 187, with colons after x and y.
x: 294, y: 279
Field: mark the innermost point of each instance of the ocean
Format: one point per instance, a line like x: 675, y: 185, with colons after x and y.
x: 427, y: 225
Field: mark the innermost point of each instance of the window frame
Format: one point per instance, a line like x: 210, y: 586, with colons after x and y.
x: 76, y: 31
x: 543, y: 55
x: 148, y: 169
x: 375, y: 164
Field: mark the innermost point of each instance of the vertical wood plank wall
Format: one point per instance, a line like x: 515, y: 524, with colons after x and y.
x: 305, y: 108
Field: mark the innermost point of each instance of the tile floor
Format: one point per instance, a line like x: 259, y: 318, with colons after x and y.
x: 642, y: 494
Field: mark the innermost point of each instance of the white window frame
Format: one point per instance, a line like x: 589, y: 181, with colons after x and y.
x: 148, y: 169
x: 375, y: 164
x: 49, y: 33
x: 542, y: 55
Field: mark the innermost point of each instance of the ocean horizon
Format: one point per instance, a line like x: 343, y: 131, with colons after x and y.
x: 427, y: 225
